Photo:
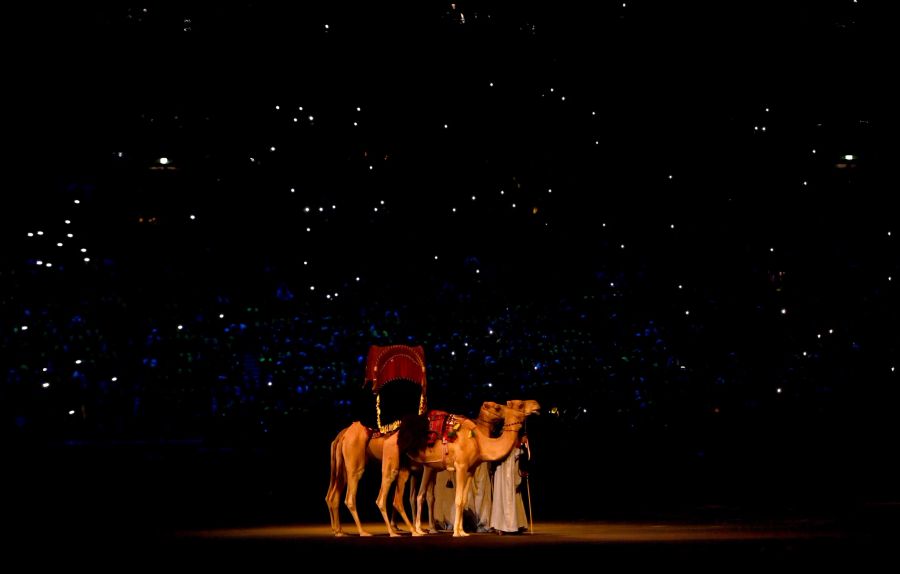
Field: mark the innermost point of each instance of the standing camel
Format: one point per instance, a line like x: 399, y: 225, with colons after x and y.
x: 472, y: 446
x: 353, y: 448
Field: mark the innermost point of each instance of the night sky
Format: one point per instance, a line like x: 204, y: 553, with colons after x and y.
x: 668, y: 222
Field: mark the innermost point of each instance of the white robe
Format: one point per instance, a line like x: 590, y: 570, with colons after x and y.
x: 478, y: 499
x: 508, y: 510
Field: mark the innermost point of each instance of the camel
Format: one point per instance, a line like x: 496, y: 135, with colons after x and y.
x: 352, y: 448
x: 472, y: 446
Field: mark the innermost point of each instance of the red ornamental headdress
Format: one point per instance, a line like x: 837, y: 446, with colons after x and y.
x: 386, y: 364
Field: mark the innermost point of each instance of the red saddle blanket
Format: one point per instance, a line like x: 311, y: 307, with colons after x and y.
x: 441, y: 425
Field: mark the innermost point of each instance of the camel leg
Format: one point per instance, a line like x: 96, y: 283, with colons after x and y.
x: 336, y: 486
x: 429, y: 496
x: 403, y: 477
x: 462, y: 485
x: 390, y: 468
x: 420, y: 498
x: 350, y: 501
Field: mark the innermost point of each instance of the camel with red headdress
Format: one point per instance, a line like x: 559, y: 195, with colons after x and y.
x: 357, y: 444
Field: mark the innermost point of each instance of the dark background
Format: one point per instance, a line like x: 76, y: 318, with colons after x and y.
x: 647, y: 408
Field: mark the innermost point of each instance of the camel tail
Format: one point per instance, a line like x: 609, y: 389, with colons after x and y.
x: 337, y: 463
x: 413, y: 434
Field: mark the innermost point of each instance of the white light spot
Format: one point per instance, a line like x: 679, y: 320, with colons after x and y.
x: 39, y: 262
x: 221, y: 315
x: 277, y: 107
x: 59, y: 244
x: 67, y: 221
x: 622, y: 246
x: 72, y: 412
x: 308, y: 229
x: 445, y: 126
x: 784, y: 311
x: 357, y: 279
x: 312, y: 287
x: 114, y: 379
x: 269, y: 383
x: 87, y: 259
x: 453, y: 210
x: 306, y: 209
x: 24, y: 327
x: 296, y: 120
x: 30, y: 234
x: 435, y: 257
x: 77, y: 361
x: 831, y: 331
x: 193, y: 217
x: 473, y: 198
x: 849, y: 157
x: 293, y: 190
x: 778, y: 390
x: 358, y: 109
x: 48, y: 264
x: 180, y: 327
x: 687, y: 312
x: 272, y: 148
x: 680, y: 286
x: 45, y: 385
x: 40, y: 232
x: 163, y: 161
x: 77, y: 201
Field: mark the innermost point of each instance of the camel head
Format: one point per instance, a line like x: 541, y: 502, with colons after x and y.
x: 491, y: 412
x: 528, y: 407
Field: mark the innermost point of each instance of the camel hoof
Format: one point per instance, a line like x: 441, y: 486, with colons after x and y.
x: 418, y: 533
x: 341, y: 533
x: 394, y: 535
x: 364, y: 533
